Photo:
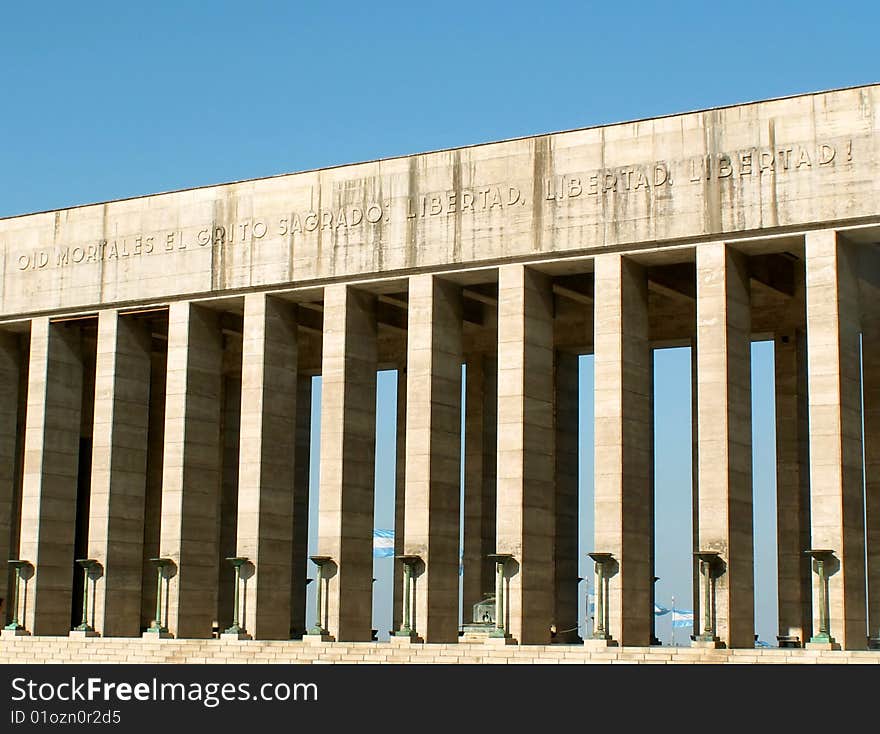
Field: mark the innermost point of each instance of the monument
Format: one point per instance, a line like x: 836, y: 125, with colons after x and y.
x: 157, y: 356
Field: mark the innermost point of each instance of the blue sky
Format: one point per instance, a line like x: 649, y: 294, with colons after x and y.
x: 107, y: 100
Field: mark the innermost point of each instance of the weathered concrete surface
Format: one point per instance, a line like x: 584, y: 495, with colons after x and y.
x: 525, y: 523
x: 688, y: 227
x: 119, y: 472
x: 348, y: 449
x: 51, y: 470
x: 191, y: 468
x: 433, y: 452
x: 624, y: 445
x: 724, y: 425
x: 836, y: 490
x: 266, y: 466
x: 768, y: 165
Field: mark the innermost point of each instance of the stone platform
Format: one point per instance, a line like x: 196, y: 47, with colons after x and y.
x: 29, y: 650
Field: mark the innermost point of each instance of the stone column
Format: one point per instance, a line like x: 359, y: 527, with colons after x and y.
x: 624, y: 444
x: 871, y: 378
x: 51, y: 465
x: 348, y: 449
x: 490, y: 472
x: 227, y: 504
x: 837, y: 501
x: 792, y: 486
x: 119, y: 471
x: 725, y: 435
x: 266, y: 466
x: 399, y: 500
x: 9, y: 376
x: 192, y: 467
x: 695, y: 490
x: 478, y: 576
x: 433, y: 452
x: 526, y: 464
x: 565, y: 565
x: 301, y: 468
x: 153, y: 493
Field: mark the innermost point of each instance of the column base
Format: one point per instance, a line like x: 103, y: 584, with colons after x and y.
x: 83, y: 634
x: 314, y: 637
x: 500, y: 640
x: 157, y: 635
x: 829, y: 644
x: 599, y: 643
x: 411, y: 638
x: 13, y: 633
x: 235, y: 636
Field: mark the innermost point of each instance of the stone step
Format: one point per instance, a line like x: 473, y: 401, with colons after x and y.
x: 128, y: 650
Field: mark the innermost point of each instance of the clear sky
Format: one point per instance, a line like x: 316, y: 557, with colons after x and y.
x: 106, y: 100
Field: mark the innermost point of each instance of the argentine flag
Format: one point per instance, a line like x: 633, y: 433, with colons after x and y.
x: 682, y: 618
x: 383, y: 547
x: 383, y: 543
x: 660, y: 611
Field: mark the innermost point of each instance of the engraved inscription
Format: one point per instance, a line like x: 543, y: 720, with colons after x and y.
x: 763, y: 161
x: 750, y: 164
x: 611, y: 180
x: 464, y: 201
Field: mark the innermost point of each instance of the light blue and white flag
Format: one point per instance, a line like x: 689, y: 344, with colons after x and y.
x: 682, y: 618
x: 383, y: 547
x: 383, y: 543
x: 660, y: 611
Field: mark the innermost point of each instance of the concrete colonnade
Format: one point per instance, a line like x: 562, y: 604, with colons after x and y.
x: 166, y: 419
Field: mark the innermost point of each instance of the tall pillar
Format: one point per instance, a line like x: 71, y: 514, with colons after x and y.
x: 525, y: 486
x: 792, y: 486
x: 348, y: 447
x: 433, y: 451
x: 227, y: 514
x: 871, y: 387
x: 837, y: 501
x: 624, y: 444
x: 695, y: 490
x: 153, y: 494
x: 565, y: 565
x: 9, y: 377
x: 478, y: 573
x: 51, y: 466
x: 301, y: 468
x: 725, y: 435
x: 192, y: 467
x: 266, y: 465
x: 399, y: 499
x: 119, y: 471
x: 490, y: 472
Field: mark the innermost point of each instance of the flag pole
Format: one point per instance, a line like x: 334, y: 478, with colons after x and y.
x: 673, y: 620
